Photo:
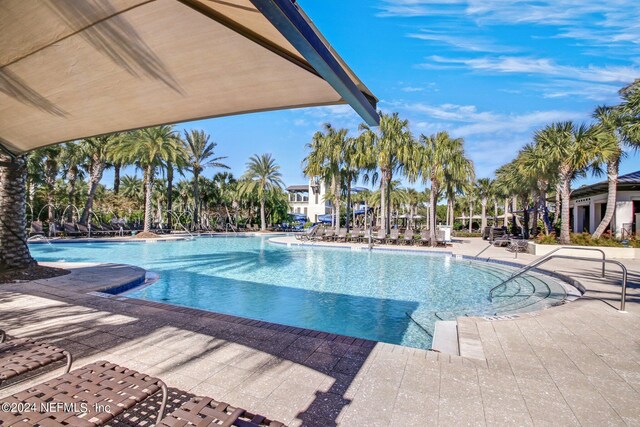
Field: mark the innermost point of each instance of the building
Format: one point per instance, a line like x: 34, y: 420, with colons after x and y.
x: 308, y: 199
x: 589, y: 203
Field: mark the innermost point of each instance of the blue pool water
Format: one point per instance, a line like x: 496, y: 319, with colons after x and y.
x: 357, y: 293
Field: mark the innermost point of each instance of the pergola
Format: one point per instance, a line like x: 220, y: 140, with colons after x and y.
x: 72, y: 69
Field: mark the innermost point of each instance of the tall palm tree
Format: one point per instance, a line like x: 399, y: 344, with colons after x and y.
x: 262, y: 175
x: 387, y: 150
x: 440, y: 156
x: 484, y: 190
x: 97, y: 151
x: 72, y: 158
x: 326, y: 162
x: 570, y: 147
x: 200, y: 155
x: 14, y: 252
x: 148, y: 148
x: 132, y: 188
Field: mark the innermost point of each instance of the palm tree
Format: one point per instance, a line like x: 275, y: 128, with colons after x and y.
x: 97, y: 151
x: 132, y: 188
x: 439, y: 157
x: 148, y: 148
x: 200, y: 154
x: 262, y: 176
x: 388, y: 150
x: 72, y: 158
x: 484, y: 190
x: 571, y: 148
x: 326, y: 162
x: 14, y: 252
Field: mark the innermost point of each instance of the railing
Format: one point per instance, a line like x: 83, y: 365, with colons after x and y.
x: 623, y: 295
x: 482, y: 251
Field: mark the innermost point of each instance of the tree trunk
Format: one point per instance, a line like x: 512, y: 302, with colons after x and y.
x: 14, y: 252
x: 506, y: 212
x: 196, y: 199
x: 148, y: 183
x: 97, y: 168
x: 51, y: 170
x: 470, y: 216
x: 116, y: 178
x: 388, y: 204
x: 383, y: 202
x: 612, y: 177
x: 483, y: 203
x: 263, y: 218
x: 169, y: 196
x: 348, y: 204
x: 432, y: 214
x: 72, y: 178
x: 565, y: 179
x: 558, y: 205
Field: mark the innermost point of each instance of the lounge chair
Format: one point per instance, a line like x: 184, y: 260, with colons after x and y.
x: 425, y: 238
x: 83, y: 229
x: 104, y: 389
x: 440, y: 241
x: 36, y: 229
x: 204, y: 411
x: 357, y: 234
x: 342, y: 235
x: 70, y: 230
x: 518, y: 245
x: 408, y: 237
x: 501, y: 241
x: 381, y: 236
x: 307, y: 235
x: 55, y: 229
x: 329, y: 235
x: 394, y: 235
x: 98, y: 229
x: 21, y: 355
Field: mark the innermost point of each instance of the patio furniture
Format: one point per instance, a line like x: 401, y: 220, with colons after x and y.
x: 394, y: 235
x: 501, y: 241
x: 328, y: 235
x: 357, y: 234
x: 204, y: 411
x: 96, y: 394
x: 380, y: 236
x: 36, y: 229
x: 440, y: 238
x: 425, y: 238
x: 408, y: 237
x: 342, y: 235
x: 518, y: 245
x: 309, y: 234
x: 21, y: 355
x: 70, y: 230
x: 83, y: 229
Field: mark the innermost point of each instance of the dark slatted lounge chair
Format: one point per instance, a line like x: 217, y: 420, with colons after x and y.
x: 99, y: 387
x: 55, y: 229
x: 70, y: 230
x: 309, y: 234
x: 206, y: 412
x: 380, y: 236
x: 518, y: 245
x: 425, y: 238
x: 408, y: 237
x: 83, y: 229
x: 501, y: 241
x: 394, y: 235
x: 99, y: 230
x: 21, y: 355
x: 36, y: 229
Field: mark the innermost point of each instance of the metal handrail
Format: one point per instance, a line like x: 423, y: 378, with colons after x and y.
x: 539, y: 261
x: 482, y: 251
x: 623, y: 294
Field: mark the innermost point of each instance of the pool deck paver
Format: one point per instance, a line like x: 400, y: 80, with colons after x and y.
x: 578, y: 364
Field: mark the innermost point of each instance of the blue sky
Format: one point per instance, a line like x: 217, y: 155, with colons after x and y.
x: 491, y: 71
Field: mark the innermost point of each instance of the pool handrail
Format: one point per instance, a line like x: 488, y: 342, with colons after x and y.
x: 536, y: 261
x: 623, y: 293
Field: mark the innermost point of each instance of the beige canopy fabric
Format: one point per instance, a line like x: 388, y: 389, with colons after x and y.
x: 71, y: 69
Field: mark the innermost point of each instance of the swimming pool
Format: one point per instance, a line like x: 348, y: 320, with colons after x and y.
x: 382, y: 296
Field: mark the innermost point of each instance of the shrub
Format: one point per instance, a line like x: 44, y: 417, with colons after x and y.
x: 585, y: 239
x: 466, y: 234
x: 550, y: 239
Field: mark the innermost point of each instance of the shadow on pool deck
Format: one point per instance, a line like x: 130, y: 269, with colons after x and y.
x: 283, y: 373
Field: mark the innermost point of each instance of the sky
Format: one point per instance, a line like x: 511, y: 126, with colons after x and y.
x: 489, y: 71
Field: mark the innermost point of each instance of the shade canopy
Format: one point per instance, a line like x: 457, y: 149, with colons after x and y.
x: 72, y: 69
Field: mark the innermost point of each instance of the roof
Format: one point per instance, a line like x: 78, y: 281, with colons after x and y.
x: 292, y: 188
x: 73, y: 69
x: 628, y: 182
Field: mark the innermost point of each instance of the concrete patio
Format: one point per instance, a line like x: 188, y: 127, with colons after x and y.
x: 578, y: 364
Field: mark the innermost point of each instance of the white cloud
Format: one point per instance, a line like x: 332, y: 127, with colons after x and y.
x: 467, y: 43
x: 541, y: 66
